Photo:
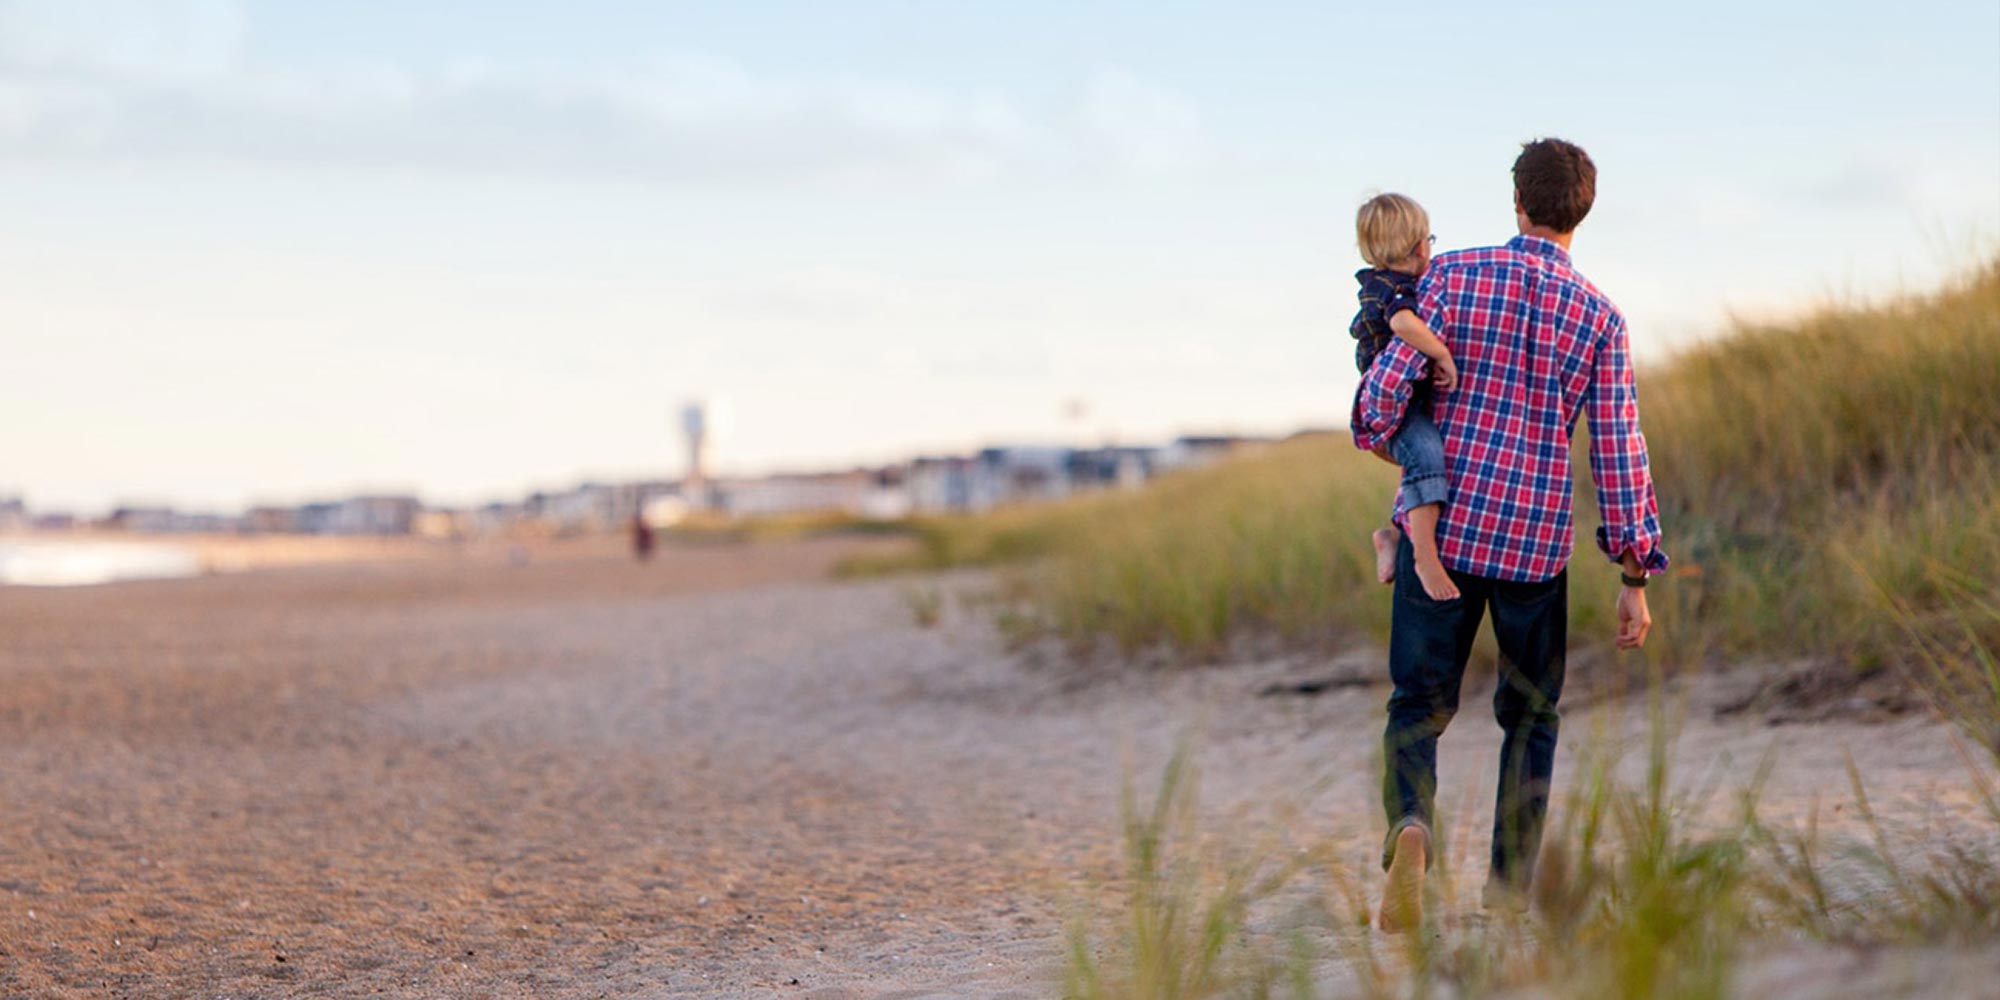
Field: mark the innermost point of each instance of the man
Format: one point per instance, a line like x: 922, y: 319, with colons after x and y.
x: 1537, y: 345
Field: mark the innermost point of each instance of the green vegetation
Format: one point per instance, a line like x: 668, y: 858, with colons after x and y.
x: 1639, y: 896
x: 1184, y: 913
x: 1836, y: 481
x: 1276, y: 541
x: 926, y: 605
x: 710, y: 528
x: 1006, y: 536
x: 1829, y: 485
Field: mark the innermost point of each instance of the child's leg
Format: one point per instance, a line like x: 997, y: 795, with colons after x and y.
x: 1385, y: 553
x: 1423, y: 523
x: 1420, y: 449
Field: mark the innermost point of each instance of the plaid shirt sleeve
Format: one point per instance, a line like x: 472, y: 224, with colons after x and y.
x: 1385, y: 390
x: 1385, y: 394
x: 1631, y: 515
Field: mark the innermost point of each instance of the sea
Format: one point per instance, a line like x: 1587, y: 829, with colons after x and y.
x: 64, y: 563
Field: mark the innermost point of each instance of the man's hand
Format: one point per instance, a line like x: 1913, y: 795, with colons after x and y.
x: 1634, y: 621
x: 1382, y: 452
x: 1444, y: 371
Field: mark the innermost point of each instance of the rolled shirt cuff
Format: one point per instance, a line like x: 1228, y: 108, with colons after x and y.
x: 1652, y: 558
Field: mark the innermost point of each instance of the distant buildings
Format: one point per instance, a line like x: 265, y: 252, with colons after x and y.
x: 167, y: 520
x: 362, y: 515
x: 13, y: 515
x: 878, y: 494
x: 931, y: 484
x: 1098, y: 468
x: 938, y: 483
x: 1005, y: 475
x: 271, y: 521
x: 365, y: 515
x: 586, y: 508
x: 1195, y: 452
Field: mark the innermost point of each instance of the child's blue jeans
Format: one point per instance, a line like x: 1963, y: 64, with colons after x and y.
x: 1419, y: 449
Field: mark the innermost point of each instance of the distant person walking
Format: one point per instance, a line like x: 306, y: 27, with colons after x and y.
x: 642, y: 538
x: 1536, y: 346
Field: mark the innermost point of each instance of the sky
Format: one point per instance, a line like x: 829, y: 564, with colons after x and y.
x: 284, y: 250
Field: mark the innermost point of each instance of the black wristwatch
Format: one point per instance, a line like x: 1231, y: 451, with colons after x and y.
x: 1632, y: 581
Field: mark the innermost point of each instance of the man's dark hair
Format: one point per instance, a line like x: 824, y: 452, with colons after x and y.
x: 1555, y: 183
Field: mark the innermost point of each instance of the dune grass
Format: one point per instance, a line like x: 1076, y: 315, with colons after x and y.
x: 1272, y: 542
x: 1182, y: 921
x: 1830, y: 486
x: 1642, y: 894
x: 716, y: 528
x: 1836, y: 481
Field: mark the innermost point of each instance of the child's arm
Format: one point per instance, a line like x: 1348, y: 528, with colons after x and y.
x: 1412, y: 330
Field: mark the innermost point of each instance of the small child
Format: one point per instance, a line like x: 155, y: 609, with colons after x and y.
x: 1394, y: 233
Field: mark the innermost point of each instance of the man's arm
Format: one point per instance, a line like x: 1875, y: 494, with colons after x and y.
x: 1635, y: 620
x: 1618, y: 460
x: 1630, y: 534
x: 1385, y: 395
x: 1386, y: 386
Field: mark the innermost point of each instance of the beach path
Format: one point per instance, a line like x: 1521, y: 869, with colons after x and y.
x: 715, y: 775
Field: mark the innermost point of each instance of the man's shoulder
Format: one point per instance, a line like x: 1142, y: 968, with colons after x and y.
x: 1485, y: 261
x: 1597, y: 305
x: 1499, y: 270
x: 1477, y: 256
x: 1471, y: 261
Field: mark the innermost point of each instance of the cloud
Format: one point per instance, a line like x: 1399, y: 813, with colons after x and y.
x: 132, y: 80
x: 1143, y: 126
x: 121, y: 39
x: 1859, y: 185
x: 1940, y: 182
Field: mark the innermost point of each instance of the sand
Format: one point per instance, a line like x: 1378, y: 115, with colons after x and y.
x: 718, y: 775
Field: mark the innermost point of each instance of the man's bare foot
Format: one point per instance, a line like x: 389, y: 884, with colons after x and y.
x: 1385, y: 555
x: 1403, y: 890
x: 1437, y: 583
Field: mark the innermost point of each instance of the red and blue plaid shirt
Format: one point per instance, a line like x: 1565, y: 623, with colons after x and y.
x: 1536, y: 345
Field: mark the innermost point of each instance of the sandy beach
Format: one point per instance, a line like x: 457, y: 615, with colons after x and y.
x: 717, y: 775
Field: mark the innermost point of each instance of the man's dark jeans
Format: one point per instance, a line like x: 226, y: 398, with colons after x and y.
x: 1429, y: 643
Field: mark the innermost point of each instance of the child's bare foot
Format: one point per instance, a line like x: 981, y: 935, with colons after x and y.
x: 1437, y: 583
x: 1385, y: 555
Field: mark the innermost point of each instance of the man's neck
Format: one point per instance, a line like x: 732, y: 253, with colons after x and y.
x: 1545, y: 233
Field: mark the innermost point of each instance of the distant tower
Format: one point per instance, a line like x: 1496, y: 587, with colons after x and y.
x: 694, y: 424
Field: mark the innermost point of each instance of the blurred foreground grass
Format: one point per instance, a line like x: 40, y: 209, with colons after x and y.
x: 1830, y: 486
x: 1646, y: 891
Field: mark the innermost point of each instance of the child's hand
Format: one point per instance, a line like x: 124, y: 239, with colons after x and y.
x: 1444, y: 371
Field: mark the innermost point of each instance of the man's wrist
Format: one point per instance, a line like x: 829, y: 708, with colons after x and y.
x: 1635, y: 582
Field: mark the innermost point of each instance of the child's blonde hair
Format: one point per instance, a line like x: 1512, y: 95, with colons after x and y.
x: 1390, y: 228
